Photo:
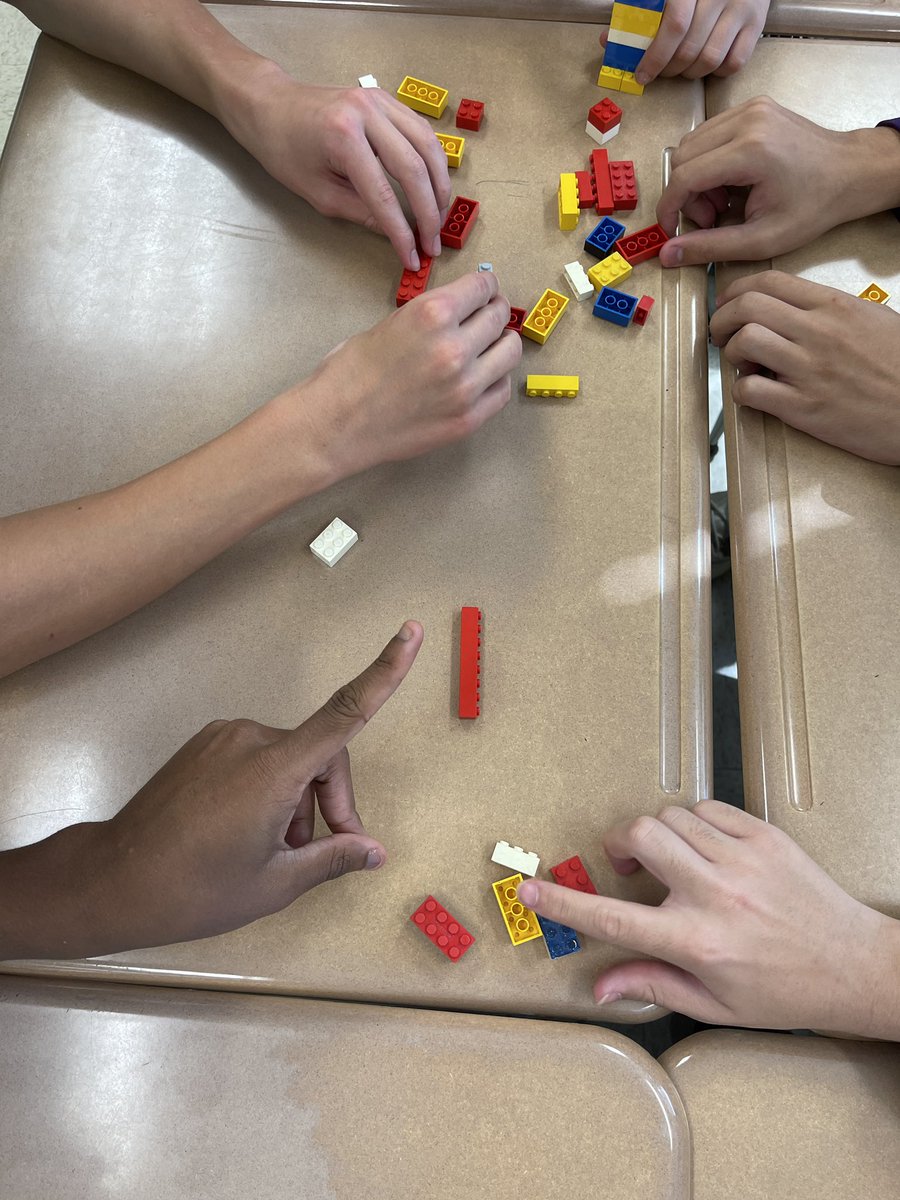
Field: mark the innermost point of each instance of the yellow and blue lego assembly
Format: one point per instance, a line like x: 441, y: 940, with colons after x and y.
x: 521, y: 923
x: 632, y: 28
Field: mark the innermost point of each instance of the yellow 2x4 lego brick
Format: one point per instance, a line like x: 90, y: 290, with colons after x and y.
x: 559, y: 387
x: 609, y: 271
x: 635, y: 20
x: 424, y: 97
x: 569, y: 210
x: 521, y: 923
x: 454, y: 148
x: 544, y: 317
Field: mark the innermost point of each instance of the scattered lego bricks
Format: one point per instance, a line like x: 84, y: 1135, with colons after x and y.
x: 572, y: 874
x: 469, y: 663
x: 545, y: 315
x: 560, y: 939
x: 642, y: 310
x: 600, y: 178
x: 469, y: 115
x: 610, y: 270
x: 333, y: 542
x: 521, y: 923
x: 624, y: 186
x: 514, y: 858
x: 517, y: 318
x: 567, y: 199
x: 587, y: 197
x: 577, y: 279
x: 644, y: 244
x: 617, y: 307
x: 459, y: 222
x: 414, y: 283
x: 442, y: 929
x: 454, y: 148
x: 601, y: 241
x: 874, y: 293
x: 556, y: 387
x: 424, y: 97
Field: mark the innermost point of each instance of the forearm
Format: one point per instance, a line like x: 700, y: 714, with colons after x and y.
x: 871, y: 172
x: 873, y: 1006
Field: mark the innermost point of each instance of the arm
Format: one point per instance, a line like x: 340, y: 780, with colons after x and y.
x: 430, y: 374
x: 752, y: 932
x: 333, y: 146
x: 221, y: 836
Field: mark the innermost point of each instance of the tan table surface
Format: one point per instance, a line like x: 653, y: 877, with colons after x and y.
x: 814, y: 540
x: 157, y: 286
x: 803, y: 1118
x: 148, y: 1092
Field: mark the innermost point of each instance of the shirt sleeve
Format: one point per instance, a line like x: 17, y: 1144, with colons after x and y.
x: 892, y: 123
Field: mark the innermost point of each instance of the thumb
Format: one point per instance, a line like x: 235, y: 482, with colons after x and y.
x: 660, y: 983
x: 332, y: 856
x: 746, y: 242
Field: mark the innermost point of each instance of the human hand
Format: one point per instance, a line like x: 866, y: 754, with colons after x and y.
x: 832, y: 361
x: 339, y: 148
x: 702, y: 37
x: 752, y: 931
x: 796, y: 180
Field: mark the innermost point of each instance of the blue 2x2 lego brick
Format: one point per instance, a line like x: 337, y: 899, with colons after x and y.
x: 602, y: 239
x: 621, y: 58
x: 614, y: 306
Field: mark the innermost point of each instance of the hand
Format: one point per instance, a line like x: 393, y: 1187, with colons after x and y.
x: 796, y: 180
x: 833, y: 359
x: 432, y: 373
x: 702, y: 37
x: 752, y: 932
x: 339, y: 148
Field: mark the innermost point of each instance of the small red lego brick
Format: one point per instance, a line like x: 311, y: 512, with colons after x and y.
x: 414, y: 283
x: 571, y: 874
x: 442, y: 929
x: 605, y: 115
x: 470, y: 662
x: 642, y: 310
x: 587, y: 197
x: 600, y: 177
x: 460, y: 220
x: 469, y: 114
x: 517, y: 318
x: 645, y: 243
x: 624, y: 186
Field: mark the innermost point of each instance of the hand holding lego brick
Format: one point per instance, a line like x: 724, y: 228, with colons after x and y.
x: 752, y: 931
x: 817, y: 358
x: 778, y: 179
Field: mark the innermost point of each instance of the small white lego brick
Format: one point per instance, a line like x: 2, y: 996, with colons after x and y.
x: 601, y: 138
x: 637, y: 41
x: 333, y: 543
x: 485, y: 267
x: 576, y: 278
x: 516, y: 859
x: 368, y: 81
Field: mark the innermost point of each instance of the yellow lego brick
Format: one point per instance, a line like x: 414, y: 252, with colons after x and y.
x: 874, y: 293
x: 558, y: 386
x: 611, y: 78
x: 569, y: 211
x: 454, y: 147
x: 424, y: 97
x: 630, y: 85
x: 521, y: 923
x: 610, y: 271
x: 544, y: 317
x: 635, y: 20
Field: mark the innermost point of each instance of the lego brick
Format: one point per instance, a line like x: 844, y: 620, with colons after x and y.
x: 333, y: 542
x: 624, y: 185
x: 367, y: 81
x: 648, y: 5
x: 577, y: 279
x: 617, y: 307
x: 610, y: 78
x: 621, y: 58
x: 635, y: 41
x: 630, y: 86
x: 460, y: 220
x: 560, y: 939
x: 875, y: 293
x: 587, y: 197
x: 517, y: 318
x: 442, y: 929
x: 572, y: 874
x: 516, y: 859
x: 469, y: 114
x: 612, y: 269
x: 637, y: 247
x: 605, y: 115
x: 602, y: 181
x: 469, y: 662
x: 603, y: 237
x: 427, y: 98
x: 601, y: 138
x: 484, y: 267
x: 521, y: 923
x: 567, y: 201
x: 627, y: 18
x: 642, y: 310
x: 454, y: 147
x: 557, y: 387
x: 544, y: 317
x: 414, y: 283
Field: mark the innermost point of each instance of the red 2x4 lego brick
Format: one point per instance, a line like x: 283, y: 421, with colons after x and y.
x: 460, y: 220
x: 624, y: 185
x: 600, y: 177
x: 414, y: 283
x: 442, y: 929
x: 470, y: 662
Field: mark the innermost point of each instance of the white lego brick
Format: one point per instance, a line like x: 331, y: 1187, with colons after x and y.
x: 638, y: 41
x: 368, y: 81
x: 333, y: 543
x: 485, y: 267
x: 601, y: 138
x: 577, y: 279
x: 516, y: 859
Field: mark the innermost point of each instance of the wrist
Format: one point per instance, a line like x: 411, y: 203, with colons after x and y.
x: 241, y: 93
x: 871, y: 165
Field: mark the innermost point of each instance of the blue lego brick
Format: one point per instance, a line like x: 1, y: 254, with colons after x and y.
x: 614, y: 306
x: 652, y: 5
x: 621, y: 58
x: 560, y: 939
x: 601, y: 240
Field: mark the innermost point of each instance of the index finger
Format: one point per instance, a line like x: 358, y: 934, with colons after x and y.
x: 460, y: 299
x: 676, y: 21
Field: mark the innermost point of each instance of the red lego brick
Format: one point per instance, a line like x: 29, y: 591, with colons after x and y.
x: 460, y: 220
x: 645, y: 243
x: 605, y: 115
x: 442, y: 929
x: 624, y: 186
x: 469, y: 114
x: 571, y: 874
x: 642, y: 310
x: 414, y: 283
x: 587, y: 197
x: 600, y: 177
x: 470, y: 662
x: 517, y: 318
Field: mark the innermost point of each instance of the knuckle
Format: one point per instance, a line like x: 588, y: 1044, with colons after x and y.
x: 345, y: 705
x: 337, y: 863
x: 610, y: 927
x: 643, y: 831
x: 710, y: 57
x: 450, y: 359
x: 434, y: 311
x: 671, y: 814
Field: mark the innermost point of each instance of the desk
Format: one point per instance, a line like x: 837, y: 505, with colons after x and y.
x: 156, y: 287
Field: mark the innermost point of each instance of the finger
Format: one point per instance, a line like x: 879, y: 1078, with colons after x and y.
x: 801, y: 293
x: 485, y: 326
x: 697, y: 42
x: 703, y: 837
x: 739, y: 54
x: 723, y: 166
x: 663, y: 984
x: 657, y: 848
x: 714, y: 132
x: 676, y: 21
x: 747, y: 241
x: 704, y: 210
x: 728, y: 819
x: 755, y: 346
x: 619, y: 922
x: 775, y: 314
x: 401, y: 159
x: 716, y: 47
x: 421, y: 135
x: 456, y: 301
x: 491, y: 401
x: 767, y: 395
x: 302, y: 823
x: 331, y: 857
x: 335, y: 796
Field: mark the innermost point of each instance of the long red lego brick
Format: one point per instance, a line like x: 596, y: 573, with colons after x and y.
x: 572, y: 874
x: 442, y: 929
x: 637, y: 247
x: 602, y: 182
x: 470, y: 662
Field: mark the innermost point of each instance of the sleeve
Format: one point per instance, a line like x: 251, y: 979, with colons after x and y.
x: 891, y: 123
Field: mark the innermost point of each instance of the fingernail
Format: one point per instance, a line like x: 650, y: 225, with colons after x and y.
x: 415, y: 261
x: 641, y: 76
x: 404, y: 633
x: 675, y: 254
x: 610, y: 997
x: 374, y: 859
x: 528, y: 892
x: 436, y: 247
